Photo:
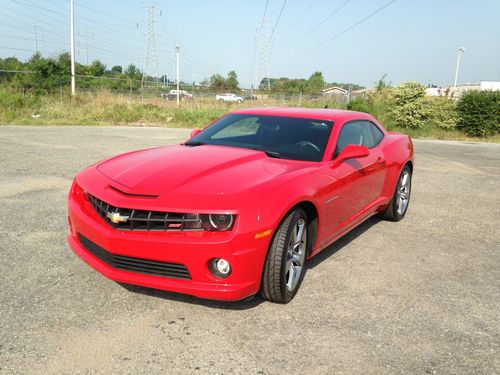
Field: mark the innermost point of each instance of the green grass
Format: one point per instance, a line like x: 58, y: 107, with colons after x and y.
x: 104, y: 108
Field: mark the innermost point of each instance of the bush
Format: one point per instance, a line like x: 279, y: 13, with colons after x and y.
x: 14, y: 105
x: 359, y: 104
x: 479, y: 113
x: 407, y: 105
x: 441, y: 112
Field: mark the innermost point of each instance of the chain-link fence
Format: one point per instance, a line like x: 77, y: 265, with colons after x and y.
x: 45, y: 83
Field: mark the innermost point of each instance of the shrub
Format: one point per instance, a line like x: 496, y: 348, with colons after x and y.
x: 479, y: 113
x: 407, y: 108
x: 441, y: 112
x: 359, y: 104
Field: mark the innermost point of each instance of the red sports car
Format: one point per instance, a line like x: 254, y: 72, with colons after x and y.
x: 241, y: 206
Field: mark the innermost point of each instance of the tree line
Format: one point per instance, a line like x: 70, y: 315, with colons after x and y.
x: 47, y: 75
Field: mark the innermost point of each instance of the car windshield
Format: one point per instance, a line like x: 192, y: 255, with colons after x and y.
x: 277, y: 136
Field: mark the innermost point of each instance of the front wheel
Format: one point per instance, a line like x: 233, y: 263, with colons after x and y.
x: 401, y: 198
x: 285, y: 264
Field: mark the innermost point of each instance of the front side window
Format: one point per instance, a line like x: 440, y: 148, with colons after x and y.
x: 362, y: 133
x: 280, y: 137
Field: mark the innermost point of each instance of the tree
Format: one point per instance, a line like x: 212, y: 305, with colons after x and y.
x: 132, y: 72
x: 48, y: 74
x: 64, y: 62
x: 37, y: 56
x: 232, y: 81
x: 381, y: 84
x: 217, y: 82
x: 96, y: 69
x: 408, y: 107
x: 117, y: 69
x: 315, y: 83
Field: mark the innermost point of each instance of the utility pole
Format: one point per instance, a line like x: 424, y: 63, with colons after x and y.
x: 460, y: 51
x: 72, y: 31
x: 177, y: 57
x: 192, y: 88
x: 86, y: 48
x: 36, y: 40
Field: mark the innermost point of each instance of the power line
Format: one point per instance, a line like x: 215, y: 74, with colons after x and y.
x: 124, y: 3
x: 348, y: 29
x: 325, y: 19
x: 301, y: 15
x: 17, y: 49
x: 265, y: 9
x: 278, y: 20
x: 106, y: 14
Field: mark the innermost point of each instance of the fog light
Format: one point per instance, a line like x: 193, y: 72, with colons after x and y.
x: 220, y: 267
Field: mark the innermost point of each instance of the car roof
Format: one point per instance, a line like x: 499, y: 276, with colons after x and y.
x: 309, y: 113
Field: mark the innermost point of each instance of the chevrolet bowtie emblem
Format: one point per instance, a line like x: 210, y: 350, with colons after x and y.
x: 116, y: 217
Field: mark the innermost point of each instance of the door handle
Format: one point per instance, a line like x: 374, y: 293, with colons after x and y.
x: 380, y: 160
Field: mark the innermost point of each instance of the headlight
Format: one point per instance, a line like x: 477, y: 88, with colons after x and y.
x: 217, y: 222
x: 77, y: 191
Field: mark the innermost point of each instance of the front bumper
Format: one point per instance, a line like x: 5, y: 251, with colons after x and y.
x: 194, y: 250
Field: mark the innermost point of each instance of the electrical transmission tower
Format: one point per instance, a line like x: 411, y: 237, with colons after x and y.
x: 151, y: 58
x: 262, y: 53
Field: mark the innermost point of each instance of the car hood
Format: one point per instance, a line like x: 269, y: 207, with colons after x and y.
x: 199, y: 170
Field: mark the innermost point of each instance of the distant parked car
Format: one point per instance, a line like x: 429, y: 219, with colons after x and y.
x: 250, y: 97
x: 172, y: 95
x: 228, y: 98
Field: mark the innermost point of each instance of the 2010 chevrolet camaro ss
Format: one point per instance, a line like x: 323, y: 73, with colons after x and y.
x: 239, y: 207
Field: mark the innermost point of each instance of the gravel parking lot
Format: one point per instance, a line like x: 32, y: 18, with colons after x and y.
x: 419, y: 296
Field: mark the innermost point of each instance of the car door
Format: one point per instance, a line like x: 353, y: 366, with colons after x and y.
x: 357, y: 183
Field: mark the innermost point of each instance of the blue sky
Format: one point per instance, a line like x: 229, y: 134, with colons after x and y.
x: 407, y: 40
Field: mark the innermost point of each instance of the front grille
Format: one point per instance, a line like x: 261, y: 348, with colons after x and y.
x: 141, y: 220
x: 138, y: 265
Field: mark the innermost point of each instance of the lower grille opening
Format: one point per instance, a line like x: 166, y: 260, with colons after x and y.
x: 138, y: 265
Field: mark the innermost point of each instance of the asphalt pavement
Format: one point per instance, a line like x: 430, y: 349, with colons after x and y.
x: 421, y: 296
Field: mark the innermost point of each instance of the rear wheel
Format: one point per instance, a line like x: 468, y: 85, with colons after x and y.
x: 401, y: 198
x: 285, y: 264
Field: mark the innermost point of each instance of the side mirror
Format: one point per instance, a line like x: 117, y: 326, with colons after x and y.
x: 352, y: 152
x: 195, y: 132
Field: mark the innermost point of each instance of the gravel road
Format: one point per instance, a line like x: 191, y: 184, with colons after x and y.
x: 415, y: 297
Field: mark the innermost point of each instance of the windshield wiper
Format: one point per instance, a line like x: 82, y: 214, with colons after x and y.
x: 271, y: 154
x: 194, y: 143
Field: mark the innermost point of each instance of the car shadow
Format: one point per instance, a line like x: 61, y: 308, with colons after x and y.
x: 342, y: 241
x: 256, y: 300
x: 244, y: 304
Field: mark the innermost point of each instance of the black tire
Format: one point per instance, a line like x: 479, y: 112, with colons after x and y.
x: 391, y: 213
x: 274, y: 278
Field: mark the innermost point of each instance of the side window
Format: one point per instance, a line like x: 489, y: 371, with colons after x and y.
x: 372, y: 135
x: 363, y: 133
x: 351, y: 134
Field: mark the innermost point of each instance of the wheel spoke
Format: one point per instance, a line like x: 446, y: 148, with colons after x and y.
x: 291, y: 277
x: 404, y: 180
x: 300, y: 232
x: 296, y: 253
x: 288, y: 263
